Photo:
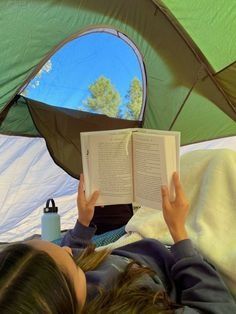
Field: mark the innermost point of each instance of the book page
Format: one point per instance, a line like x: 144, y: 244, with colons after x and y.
x: 150, y: 173
x: 110, y: 167
x: 172, y: 135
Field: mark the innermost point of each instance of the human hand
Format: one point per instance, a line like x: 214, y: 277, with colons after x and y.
x: 85, y: 207
x: 175, y: 212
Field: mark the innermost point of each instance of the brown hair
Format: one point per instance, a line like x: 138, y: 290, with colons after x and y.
x: 126, y: 296
x: 31, y: 282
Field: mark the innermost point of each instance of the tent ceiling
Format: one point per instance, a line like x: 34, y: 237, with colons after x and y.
x: 183, y: 43
x: 211, y: 24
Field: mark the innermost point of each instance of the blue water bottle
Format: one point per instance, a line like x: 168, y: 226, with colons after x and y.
x: 50, y: 222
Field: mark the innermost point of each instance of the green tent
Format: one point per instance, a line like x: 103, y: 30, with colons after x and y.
x: 188, y: 51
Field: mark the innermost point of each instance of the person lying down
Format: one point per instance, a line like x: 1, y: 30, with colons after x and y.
x: 142, y: 277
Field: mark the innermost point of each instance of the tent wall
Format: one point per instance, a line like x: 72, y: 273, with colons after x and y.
x: 211, y: 24
x: 61, y: 127
x: 16, y: 120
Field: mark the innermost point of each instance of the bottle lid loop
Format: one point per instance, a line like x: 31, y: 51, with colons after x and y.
x: 52, y: 208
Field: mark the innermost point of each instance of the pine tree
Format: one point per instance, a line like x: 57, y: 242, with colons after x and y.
x: 135, y: 98
x: 104, y: 99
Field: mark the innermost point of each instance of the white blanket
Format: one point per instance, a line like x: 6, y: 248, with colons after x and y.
x: 209, y: 180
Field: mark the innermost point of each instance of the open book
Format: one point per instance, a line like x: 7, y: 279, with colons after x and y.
x: 129, y: 165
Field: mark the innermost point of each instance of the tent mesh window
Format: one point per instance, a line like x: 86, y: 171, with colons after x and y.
x: 101, y: 71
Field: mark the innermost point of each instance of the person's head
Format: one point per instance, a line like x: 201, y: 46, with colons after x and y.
x: 40, y: 277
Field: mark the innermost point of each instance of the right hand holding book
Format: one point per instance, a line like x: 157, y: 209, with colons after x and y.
x: 175, y: 212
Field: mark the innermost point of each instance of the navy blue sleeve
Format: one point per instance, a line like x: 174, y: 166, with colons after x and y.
x: 199, y: 286
x: 78, y: 237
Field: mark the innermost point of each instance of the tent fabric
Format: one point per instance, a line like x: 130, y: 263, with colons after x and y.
x: 29, y: 177
x: 210, y: 24
x: 227, y: 79
x: 17, y: 120
x: 182, y: 51
x: 61, y: 127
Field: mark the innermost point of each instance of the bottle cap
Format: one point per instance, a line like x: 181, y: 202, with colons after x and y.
x: 50, y: 209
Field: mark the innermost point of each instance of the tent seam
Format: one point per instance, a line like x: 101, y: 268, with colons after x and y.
x: 195, y: 50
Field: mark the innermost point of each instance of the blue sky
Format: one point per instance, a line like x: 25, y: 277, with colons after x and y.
x: 80, y: 62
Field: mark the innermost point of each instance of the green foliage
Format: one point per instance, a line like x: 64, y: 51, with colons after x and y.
x: 135, y: 98
x: 104, y: 99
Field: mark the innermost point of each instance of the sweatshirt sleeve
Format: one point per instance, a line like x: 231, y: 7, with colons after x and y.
x: 199, y: 286
x: 79, y: 237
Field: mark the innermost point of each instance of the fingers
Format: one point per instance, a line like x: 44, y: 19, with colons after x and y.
x: 165, y: 197
x: 179, y: 192
x: 81, y: 182
x: 81, y: 195
x: 93, y: 198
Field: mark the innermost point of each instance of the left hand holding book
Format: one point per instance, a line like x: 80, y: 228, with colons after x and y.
x: 85, y: 206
